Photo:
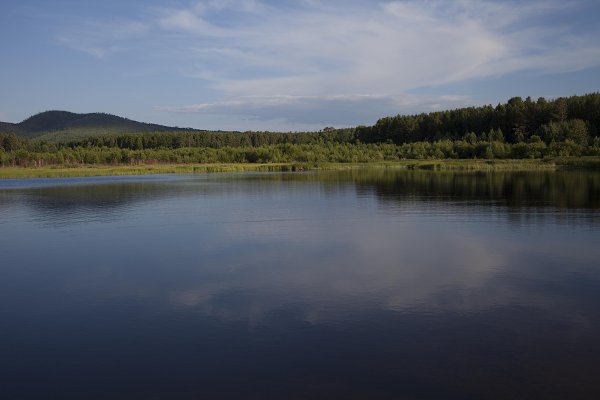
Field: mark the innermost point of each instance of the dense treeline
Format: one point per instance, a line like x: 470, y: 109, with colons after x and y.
x: 574, y: 118
x: 175, y: 140
x: 518, y: 129
x: 285, y: 153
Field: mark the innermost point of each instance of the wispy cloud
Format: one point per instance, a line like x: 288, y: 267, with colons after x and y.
x: 265, y: 59
x: 101, y: 38
x: 340, y: 110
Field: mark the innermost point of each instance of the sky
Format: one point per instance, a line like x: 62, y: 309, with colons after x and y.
x: 289, y: 65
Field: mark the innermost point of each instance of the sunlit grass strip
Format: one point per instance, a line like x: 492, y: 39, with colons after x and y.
x: 481, y: 165
x: 102, y: 170
x: 437, y: 165
x: 578, y: 162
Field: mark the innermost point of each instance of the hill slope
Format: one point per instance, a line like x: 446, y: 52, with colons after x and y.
x: 56, y: 125
x: 6, y: 127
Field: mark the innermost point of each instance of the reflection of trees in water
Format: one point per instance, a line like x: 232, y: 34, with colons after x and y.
x: 530, y: 190
x: 93, y: 196
x: 90, y: 202
x: 105, y: 201
x: 561, y: 189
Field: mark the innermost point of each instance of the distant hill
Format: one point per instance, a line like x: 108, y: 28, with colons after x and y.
x: 60, y: 125
x: 6, y: 127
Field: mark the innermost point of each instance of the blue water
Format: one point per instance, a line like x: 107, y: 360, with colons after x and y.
x: 370, y: 283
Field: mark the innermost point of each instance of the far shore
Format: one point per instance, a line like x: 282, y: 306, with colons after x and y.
x: 64, y: 171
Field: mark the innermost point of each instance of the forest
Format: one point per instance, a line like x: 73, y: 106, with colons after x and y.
x: 518, y: 129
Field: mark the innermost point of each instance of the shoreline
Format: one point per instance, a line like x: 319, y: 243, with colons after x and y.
x: 434, y: 165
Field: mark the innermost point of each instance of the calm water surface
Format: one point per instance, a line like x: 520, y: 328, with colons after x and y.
x: 374, y: 284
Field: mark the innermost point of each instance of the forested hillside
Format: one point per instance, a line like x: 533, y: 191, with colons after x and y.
x: 64, y: 125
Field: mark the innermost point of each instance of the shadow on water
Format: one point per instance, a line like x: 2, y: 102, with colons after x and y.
x: 559, y: 189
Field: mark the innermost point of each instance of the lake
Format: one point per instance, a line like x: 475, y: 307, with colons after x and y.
x: 365, y: 283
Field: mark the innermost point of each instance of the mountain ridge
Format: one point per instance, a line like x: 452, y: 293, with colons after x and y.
x: 64, y: 123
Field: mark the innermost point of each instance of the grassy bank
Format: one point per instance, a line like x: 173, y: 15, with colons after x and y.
x: 437, y: 165
x: 115, y: 170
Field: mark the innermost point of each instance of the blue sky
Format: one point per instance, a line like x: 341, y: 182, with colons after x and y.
x: 289, y: 65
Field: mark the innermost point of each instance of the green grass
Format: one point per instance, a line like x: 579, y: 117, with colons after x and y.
x: 437, y: 165
x: 482, y: 165
x: 578, y: 162
x: 93, y: 170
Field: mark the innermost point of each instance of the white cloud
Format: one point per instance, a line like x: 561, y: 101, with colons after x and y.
x: 264, y: 57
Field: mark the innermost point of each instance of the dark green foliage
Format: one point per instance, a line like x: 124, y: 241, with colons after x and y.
x: 572, y: 129
x: 292, y: 153
x: 516, y: 121
x: 48, y: 121
x: 9, y: 142
x: 175, y: 140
